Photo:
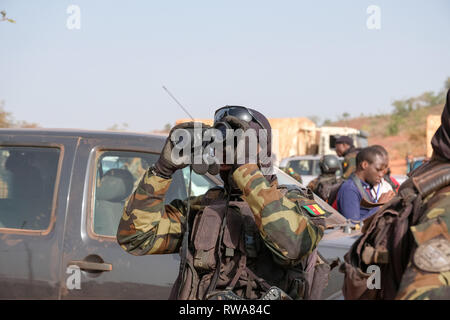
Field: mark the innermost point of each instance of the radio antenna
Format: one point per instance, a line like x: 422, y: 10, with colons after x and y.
x: 184, y: 109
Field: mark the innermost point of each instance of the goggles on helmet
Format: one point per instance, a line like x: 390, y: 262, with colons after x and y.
x: 239, y: 112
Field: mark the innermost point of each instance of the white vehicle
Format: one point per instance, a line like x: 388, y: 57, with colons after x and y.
x: 328, y: 135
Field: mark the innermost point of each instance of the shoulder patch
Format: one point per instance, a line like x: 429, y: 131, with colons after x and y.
x: 314, y: 210
x: 433, y: 255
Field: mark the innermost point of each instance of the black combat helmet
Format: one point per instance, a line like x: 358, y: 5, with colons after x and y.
x: 256, y: 121
x: 329, y: 164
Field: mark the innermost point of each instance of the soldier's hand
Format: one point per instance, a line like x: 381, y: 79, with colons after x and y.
x: 241, y: 155
x: 387, y: 196
x: 169, y: 162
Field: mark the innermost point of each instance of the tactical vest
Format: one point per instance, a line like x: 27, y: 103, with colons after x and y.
x: 326, y: 186
x: 387, y: 241
x: 241, y: 266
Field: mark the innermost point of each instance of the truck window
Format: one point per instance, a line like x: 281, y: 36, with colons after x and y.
x: 302, y: 167
x: 317, y: 171
x: 200, y: 184
x: 119, y: 173
x: 333, y: 139
x: 27, y: 186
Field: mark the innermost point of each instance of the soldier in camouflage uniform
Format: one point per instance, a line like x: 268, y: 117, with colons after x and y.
x: 329, y: 165
x: 428, y: 273
x: 280, y: 235
x: 346, y: 149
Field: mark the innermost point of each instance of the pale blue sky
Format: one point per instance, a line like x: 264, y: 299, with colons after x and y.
x: 284, y: 58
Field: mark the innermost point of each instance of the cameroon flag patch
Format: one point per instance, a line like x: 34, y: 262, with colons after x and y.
x: 314, y: 210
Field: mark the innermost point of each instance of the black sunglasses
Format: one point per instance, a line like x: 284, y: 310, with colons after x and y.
x: 239, y: 112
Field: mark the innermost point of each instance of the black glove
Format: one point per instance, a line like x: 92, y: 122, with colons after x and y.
x: 165, y: 166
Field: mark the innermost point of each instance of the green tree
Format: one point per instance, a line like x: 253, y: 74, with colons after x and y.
x: 5, y: 117
x: 7, y: 120
x: 429, y: 99
x: 401, y: 107
x: 394, y: 125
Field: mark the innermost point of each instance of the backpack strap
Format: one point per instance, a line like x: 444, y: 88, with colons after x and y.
x: 358, y: 184
x: 428, y: 182
x: 184, y: 243
x: 425, y: 180
x: 215, y: 277
x: 332, y: 197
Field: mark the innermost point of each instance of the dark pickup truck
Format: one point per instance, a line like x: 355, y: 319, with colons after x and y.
x: 61, y: 199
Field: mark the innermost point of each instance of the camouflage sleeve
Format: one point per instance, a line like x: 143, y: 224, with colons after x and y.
x: 428, y: 273
x: 147, y: 225
x: 284, y: 227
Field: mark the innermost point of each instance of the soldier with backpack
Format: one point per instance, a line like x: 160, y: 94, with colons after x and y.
x: 251, y: 239
x: 407, y: 239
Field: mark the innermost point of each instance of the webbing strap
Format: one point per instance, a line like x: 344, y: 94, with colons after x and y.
x: 263, y: 283
x: 360, y: 187
x: 185, y: 243
x: 241, y: 268
x: 212, y: 285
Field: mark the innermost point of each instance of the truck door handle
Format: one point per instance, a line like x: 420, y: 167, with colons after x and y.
x: 91, y: 266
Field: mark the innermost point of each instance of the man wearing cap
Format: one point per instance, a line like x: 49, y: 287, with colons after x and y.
x: 346, y: 149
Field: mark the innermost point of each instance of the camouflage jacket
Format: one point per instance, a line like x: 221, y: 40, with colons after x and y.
x: 349, y: 163
x: 148, y: 226
x: 423, y: 282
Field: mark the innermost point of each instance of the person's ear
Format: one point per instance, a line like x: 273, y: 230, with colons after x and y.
x: 364, y: 165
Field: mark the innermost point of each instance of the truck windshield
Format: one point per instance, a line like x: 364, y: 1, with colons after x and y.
x: 306, y: 167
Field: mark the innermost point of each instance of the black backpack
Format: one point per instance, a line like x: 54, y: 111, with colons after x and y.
x: 331, y: 191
